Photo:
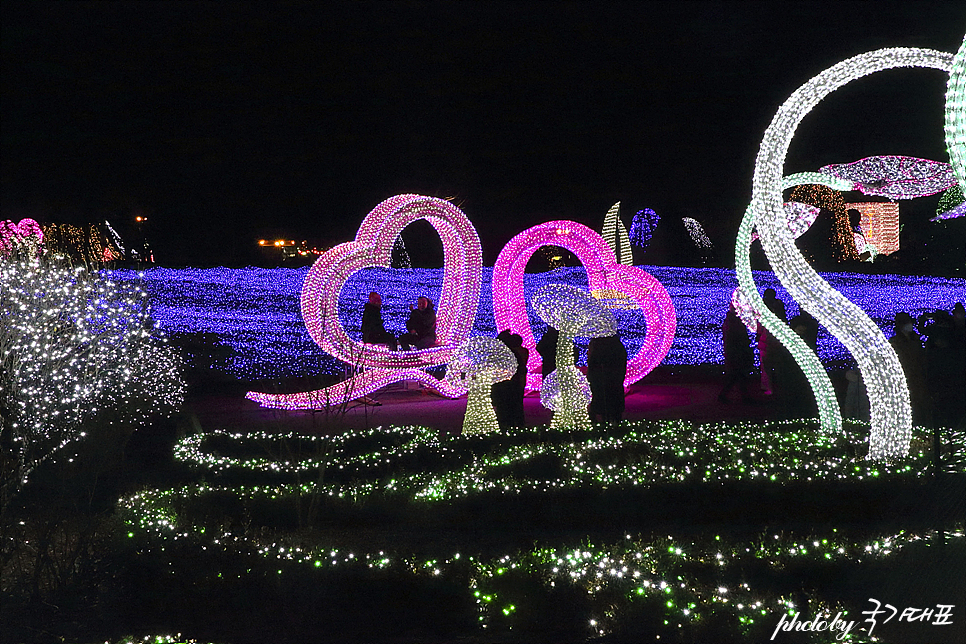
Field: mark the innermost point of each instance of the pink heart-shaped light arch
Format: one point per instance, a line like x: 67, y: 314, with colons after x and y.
x: 26, y: 230
x: 372, y: 247
x: 603, y: 272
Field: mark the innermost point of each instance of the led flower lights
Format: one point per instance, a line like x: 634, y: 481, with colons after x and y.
x: 889, y: 395
x: 574, y: 313
x: 478, y: 364
x: 509, y: 306
x: 955, y: 126
x: 880, y: 225
x: 895, y: 177
x: 615, y: 234
x: 462, y: 265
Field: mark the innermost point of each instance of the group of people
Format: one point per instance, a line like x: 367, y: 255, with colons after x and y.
x: 420, y: 327
x: 606, y: 360
x: 931, y: 350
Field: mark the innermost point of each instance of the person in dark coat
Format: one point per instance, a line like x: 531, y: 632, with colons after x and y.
x: 739, y: 357
x: 766, y: 341
x: 508, y: 395
x: 944, y: 372
x: 373, y: 328
x: 606, y: 370
x: 912, y: 356
x: 420, y: 327
x: 547, y: 348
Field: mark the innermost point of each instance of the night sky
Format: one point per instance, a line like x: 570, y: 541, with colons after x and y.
x: 229, y: 122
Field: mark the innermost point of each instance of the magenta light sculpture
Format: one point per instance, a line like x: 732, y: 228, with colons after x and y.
x: 603, y: 272
x: 27, y: 231
x: 372, y: 247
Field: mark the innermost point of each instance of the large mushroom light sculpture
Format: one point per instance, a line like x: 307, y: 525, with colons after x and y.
x: 574, y: 313
x: 477, y: 365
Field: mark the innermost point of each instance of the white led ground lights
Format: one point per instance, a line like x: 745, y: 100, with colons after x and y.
x: 891, y: 415
x: 956, y: 116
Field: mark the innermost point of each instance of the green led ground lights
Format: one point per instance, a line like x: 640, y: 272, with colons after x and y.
x: 891, y: 413
x: 694, y: 579
x: 828, y: 407
x: 956, y: 116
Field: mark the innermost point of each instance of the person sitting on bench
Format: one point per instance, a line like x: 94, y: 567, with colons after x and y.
x: 373, y: 329
x: 421, y: 326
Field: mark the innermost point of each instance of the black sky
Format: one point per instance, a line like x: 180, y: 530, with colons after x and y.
x: 230, y: 121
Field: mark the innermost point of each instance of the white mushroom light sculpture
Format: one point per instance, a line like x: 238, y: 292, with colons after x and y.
x: 477, y: 365
x: 574, y: 313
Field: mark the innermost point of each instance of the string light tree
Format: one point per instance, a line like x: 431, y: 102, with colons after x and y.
x: 74, y: 347
x: 889, y: 395
x: 574, y: 313
x: 477, y: 365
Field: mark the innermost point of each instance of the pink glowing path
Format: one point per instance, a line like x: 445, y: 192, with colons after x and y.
x: 603, y: 272
x: 372, y: 247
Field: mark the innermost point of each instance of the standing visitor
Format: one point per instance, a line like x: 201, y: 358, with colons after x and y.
x: 766, y: 342
x: 908, y: 347
x: 606, y: 370
x: 739, y: 357
x: 508, y: 395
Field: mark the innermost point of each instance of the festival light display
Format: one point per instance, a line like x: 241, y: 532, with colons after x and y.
x: 642, y: 227
x: 955, y: 117
x: 25, y: 237
x: 696, y: 232
x: 951, y: 205
x: 820, y: 194
x: 615, y: 235
x: 74, y: 346
x: 478, y: 364
x: 694, y: 578
x: 574, y: 313
x: 603, y: 272
x: 888, y: 395
x: 895, y: 177
x: 880, y: 225
x: 372, y: 247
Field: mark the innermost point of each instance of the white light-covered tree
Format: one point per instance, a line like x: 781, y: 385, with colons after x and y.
x: 75, y: 346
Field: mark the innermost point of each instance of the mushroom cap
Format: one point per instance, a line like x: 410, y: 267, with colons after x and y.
x: 573, y: 311
x: 480, y: 360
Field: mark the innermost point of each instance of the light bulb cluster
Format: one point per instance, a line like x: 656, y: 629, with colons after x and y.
x: 643, y: 226
x: 955, y: 115
x: 252, y: 314
x: 880, y: 225
x: 889, y: 395
x: 895, y: 177
x: 615, y: 235
x: 477, y: 365
x: 827, y: 198
x: 951, y: 205
x: 75, y: 345
x: 696, y: 232
x: 24, y: 238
